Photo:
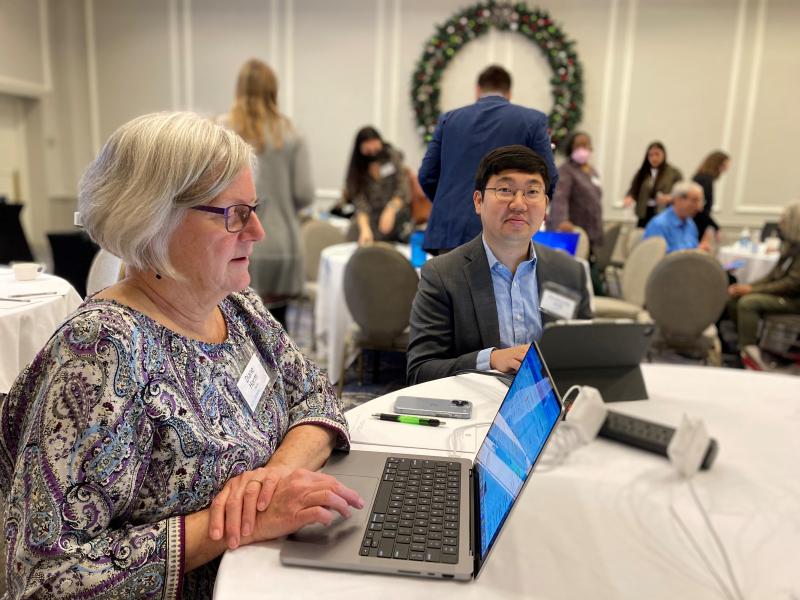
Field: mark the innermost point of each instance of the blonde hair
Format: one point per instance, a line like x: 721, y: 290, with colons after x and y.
x: 790, y: 222
x: 148, y: 174
x: 256, y: 104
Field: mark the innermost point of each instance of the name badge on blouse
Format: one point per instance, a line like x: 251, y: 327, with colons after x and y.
x: 559, y: 301
x: 253, y: 382
x: 388, y: 169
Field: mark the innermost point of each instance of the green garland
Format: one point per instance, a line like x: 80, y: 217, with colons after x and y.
x: 470, y: 24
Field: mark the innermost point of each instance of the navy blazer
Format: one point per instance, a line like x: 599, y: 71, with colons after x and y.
x: 462, y: 138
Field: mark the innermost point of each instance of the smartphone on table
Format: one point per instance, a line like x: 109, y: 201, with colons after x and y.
x: 433, y: 407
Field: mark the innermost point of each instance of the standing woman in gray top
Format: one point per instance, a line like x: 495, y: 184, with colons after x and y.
x: 283, y: 184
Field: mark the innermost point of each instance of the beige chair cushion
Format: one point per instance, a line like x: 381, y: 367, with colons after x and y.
x: 614, y: 308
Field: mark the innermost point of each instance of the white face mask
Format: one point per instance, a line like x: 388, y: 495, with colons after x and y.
x: 581, y: 155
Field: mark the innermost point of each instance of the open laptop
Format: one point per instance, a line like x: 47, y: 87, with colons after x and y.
x: 433, y: 516
x: 560, y: 240
x: 602, y: 354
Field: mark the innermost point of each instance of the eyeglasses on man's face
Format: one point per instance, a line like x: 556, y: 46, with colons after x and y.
x: 236, y: 216
x: 506, y: 193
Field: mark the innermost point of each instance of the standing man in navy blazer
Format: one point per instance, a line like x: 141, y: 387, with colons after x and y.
x: 462, y: 137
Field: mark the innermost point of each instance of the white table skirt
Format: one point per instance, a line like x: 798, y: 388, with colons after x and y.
x: 756, y: 264
x: 26, y: 327
x: 600, y: 525
x: 331, y: 316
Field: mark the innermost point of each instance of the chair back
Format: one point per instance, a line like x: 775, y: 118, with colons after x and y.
x: 13, y: 243
x: 686, y: 292
x: 582, y: 249
x: 73, y: 253
x: 603, y: 254
x: 317, y: 235
x: 641, y: 262
x: 106, y: 270
x: 379, y: 287
x: 634, y: 237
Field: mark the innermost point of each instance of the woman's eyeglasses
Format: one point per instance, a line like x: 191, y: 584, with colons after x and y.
x: 236, y: 216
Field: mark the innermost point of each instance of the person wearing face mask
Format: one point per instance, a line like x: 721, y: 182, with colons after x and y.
x: 579, y: 197
x: 377, y: 185
x: 650, y: 187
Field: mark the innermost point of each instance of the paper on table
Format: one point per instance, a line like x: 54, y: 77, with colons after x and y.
x: 449, y: 437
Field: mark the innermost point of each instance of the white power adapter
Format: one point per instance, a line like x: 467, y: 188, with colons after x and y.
x: 688, y: 446
x: 587, y: 413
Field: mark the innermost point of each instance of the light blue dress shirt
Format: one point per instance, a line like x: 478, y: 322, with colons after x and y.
x: 517, y: 298
x: 679, y: 235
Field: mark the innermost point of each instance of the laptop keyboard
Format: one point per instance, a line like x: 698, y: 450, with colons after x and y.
x: 416, y: 512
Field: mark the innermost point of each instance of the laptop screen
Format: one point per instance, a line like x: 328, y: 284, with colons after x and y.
x: 513, y: 443
x: 561, y: 240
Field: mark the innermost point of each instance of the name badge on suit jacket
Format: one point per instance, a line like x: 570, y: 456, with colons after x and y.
x: 559, y: 301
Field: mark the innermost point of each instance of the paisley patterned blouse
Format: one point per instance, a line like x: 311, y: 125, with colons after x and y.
x: 120, y: 427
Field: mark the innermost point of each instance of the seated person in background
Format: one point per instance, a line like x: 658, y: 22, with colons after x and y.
x: 478, y: 306
x: 778, y: 292
x: 676, y: 223
x: 377, y: 185
x: 578, y: 199
x: 166, y: 391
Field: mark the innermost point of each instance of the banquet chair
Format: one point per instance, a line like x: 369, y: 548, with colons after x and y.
x: 73, y: 253
x: 619, y: 254
x: 105, y: 270
x: 379, y: 288
x: 604, y: 252
x: 582, y: 249
x: 685, y: 295
x: 13, y: 243
x: 316, y: 235
x: 644, y: 257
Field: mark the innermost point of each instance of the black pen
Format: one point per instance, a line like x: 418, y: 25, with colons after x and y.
x: 410, y: 419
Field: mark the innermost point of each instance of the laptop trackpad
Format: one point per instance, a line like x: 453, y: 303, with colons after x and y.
x: 340, y: 528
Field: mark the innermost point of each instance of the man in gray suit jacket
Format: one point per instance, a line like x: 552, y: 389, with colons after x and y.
x: 479, y: 306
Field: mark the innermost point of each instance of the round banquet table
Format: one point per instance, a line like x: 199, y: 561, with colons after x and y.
x: 600, y: 524
x: 756, y: 263
x: 25, y: 326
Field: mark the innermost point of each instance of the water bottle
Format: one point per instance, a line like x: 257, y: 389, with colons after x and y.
x: 744, y: 238
x: 418, y: 255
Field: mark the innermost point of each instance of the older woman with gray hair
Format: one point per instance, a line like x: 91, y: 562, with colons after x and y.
x: 170, y: 416
x: 777, y: 292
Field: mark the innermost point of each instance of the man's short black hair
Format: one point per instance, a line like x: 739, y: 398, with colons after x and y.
x: 510, y: 158
x: 495, y: 79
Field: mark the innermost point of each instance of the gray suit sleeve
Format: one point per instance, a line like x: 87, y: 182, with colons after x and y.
x: 585, y: 306
x: 432, y: 338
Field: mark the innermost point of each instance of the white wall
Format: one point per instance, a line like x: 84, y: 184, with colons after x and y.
x: 696, y: 74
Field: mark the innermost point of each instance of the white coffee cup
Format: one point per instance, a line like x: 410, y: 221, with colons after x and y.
x: 25, y: 271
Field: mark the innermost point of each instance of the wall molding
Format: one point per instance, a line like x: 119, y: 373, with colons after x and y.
x: 21, y: 87
x: 733, y: 86
x: 608, y: 75
x: 379, y: 57
x: 91, y: 71
x: 394, y: 74
x: 174, y: 54
x: 188, y: 56
x: 273, y: 32
x: 288, y: 57
x: 749, y: 117
x: 44, y: 27
x: 625, y: 97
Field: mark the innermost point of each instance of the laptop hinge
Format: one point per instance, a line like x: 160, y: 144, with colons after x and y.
x: 474, y: 519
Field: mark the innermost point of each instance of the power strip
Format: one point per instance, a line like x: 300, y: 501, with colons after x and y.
x: 646, y: 435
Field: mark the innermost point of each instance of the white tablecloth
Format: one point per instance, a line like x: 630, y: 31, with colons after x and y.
x: 26, y: 326
x: 756, y: 263
x: 333, y: 319
x: 600, y: 525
